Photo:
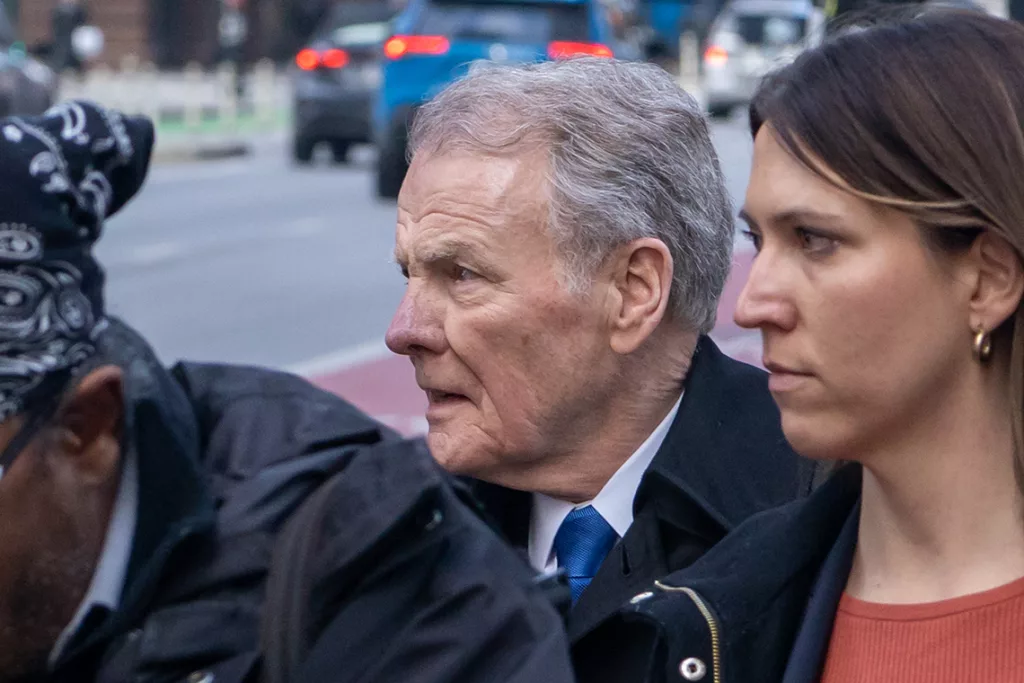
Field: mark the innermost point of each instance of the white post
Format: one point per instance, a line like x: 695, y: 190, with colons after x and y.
x: 127, y: 94
x: 689, y: 63
x: 148, y: 92
x: 193, y: 95
x: 227, y: 96
x: 99, y: 86
x: 264, y: 91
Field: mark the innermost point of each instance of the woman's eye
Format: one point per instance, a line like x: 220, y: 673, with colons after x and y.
x: 754, y: 238
x: 814, y: 242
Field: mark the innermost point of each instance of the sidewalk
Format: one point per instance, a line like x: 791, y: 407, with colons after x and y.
x: 215, y: 138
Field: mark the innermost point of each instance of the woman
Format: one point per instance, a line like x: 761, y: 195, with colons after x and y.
x: 886, y: 203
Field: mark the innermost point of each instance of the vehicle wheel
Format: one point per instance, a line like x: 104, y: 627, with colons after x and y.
x: 719, y: 111
x: 391, y: 169
x: 302, y: 150
x: 340, y: 150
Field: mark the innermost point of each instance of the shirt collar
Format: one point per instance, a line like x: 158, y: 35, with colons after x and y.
x: 614, y: 502
x: 109, y: 578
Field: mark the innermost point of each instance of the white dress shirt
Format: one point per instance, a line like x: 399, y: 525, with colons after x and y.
x: 614, y: 502
x: 109, y: 577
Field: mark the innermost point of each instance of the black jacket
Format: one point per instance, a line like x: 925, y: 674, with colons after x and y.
x: 757, y: 609
x: 225, y: 455
x: 724, y: 459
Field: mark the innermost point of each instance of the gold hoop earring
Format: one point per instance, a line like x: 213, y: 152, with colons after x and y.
x: 982, y: 345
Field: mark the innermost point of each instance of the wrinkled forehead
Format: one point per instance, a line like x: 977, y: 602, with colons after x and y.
x: 473, y: 193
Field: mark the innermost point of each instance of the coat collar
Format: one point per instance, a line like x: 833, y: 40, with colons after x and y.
x: 175, y: 506
x: 760, y: 579
x: 725, y: 452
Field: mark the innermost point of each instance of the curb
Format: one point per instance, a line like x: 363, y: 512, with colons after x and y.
x: 200, y: 151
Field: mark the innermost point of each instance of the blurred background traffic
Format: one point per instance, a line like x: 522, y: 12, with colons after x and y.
x: 266, y: 230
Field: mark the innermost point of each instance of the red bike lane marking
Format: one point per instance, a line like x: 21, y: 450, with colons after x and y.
x: 386, y: 387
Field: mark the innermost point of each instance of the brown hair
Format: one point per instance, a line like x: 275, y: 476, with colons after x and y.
x: 922, y: 112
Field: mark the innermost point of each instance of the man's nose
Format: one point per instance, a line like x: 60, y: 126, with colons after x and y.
x: 416, y: 326
x: 763, y: 301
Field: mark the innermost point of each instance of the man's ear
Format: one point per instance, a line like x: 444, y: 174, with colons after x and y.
x: 91, y: 421
x: 642, y: 283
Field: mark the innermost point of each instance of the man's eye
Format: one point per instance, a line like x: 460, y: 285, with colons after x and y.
x: 465, y: 274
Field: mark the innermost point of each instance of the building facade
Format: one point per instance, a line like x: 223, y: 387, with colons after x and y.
x: 172, y: 33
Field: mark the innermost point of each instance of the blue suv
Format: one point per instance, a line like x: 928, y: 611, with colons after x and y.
x: 434, y: 42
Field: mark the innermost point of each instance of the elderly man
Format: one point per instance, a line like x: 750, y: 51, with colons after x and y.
x: 142, y: 510
x: 566, y: 235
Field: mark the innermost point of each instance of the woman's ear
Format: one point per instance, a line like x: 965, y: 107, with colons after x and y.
x: 999, y: 284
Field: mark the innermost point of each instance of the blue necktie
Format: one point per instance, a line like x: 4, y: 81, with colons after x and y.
x: 581, y: 544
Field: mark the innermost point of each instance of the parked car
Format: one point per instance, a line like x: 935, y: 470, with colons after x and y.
x: 749, y: 38
x: 27, y: 85
x: 434, y: 42
x: 335, y: 79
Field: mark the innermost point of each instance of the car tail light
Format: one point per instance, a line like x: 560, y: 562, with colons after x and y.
x: 716, y: 55
x: 334, y: 59
x: 311, y: 60
x: 308, y: 60
x: 564, y: 49
x: 398, y: 46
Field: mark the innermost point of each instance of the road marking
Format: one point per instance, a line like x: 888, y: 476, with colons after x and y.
x: 150, y: 254
x: 342, y: 359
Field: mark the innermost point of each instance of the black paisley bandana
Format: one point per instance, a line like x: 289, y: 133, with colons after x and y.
x: 61, y: 175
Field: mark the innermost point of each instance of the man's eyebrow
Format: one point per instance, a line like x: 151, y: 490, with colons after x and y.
x: 747, y: 218
x: 442, y: 250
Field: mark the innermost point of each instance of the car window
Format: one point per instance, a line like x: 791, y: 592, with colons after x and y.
x: 770, y: 29
x: 356, y: 35
x: 508, y: 22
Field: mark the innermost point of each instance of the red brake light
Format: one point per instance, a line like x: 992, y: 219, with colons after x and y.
x: 311, y: 60
x: 307, y: 60
x: 398, y: 46
x: 716, y: 55
x: 564, y: 49
x: 335, y: 59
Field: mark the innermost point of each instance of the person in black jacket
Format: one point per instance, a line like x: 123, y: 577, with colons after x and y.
x: 566, y: 234
x: 142, y: 509
x: 885, y: 204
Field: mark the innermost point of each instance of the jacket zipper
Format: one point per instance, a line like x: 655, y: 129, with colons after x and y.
x: 705, y: 611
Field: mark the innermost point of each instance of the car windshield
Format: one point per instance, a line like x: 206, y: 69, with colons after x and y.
x: 7, y: 34
x: 355, y: 35
x: 508, y: 22
x: 770, y: 29
x: 351, y: 24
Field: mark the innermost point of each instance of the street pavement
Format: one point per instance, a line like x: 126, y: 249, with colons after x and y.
x: 256, y: 261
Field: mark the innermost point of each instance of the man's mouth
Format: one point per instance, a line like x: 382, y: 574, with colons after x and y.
x: 437, y: 397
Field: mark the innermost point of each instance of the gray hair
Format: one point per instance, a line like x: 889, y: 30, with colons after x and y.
x: 630, y: 156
